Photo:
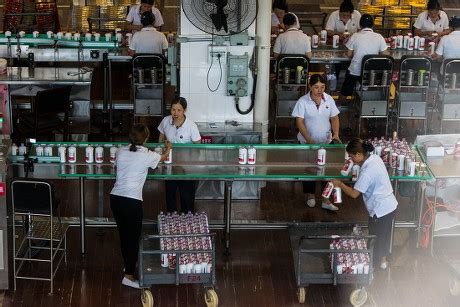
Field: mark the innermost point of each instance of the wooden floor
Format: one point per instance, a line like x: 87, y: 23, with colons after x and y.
x: 259, y: 271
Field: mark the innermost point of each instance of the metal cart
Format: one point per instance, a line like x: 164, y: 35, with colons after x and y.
x: 152, y: 273
x: 449, y: 94
x: 316, y: 263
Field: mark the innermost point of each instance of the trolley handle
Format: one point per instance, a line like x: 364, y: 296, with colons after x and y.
x: 146, y: 237
x: 336, y: 237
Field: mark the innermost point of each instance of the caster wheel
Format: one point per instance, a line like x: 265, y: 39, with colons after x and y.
x: 454, y: 286
x: 147, y: 298
x: 358, y: 297
x: 301, y: 295
x: 211, y: 298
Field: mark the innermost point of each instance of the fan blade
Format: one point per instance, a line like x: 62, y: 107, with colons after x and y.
x: 220, y: 20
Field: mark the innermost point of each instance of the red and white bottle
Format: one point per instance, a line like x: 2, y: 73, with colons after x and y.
x: 99, y: 154
x: 89, y: 154
x: 321, y: 159
x: 252, y: 155
x: 72, y: 154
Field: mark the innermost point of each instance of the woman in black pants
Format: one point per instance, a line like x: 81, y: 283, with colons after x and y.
x: 132, y: 163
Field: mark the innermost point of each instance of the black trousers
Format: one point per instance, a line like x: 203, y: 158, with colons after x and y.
x: 310, y: 186
x: 128, y: 214
x: 348, y: 86
x: 186, y: 192
x: 382, y: 227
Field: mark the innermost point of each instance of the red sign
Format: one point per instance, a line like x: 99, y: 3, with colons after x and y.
x: 2, y: 189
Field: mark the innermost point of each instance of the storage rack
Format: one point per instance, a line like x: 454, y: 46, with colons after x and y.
x: 374, y: 92
x: 148, y: 85
x: 413, y: 89
x: 289, y: 88
x: 449, y: 93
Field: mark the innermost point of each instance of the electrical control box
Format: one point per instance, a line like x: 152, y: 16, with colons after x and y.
x: 237, y: 75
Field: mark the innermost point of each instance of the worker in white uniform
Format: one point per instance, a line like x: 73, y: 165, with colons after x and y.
x: 434, y: 19
x: 280, y: 8
x: 360, y: 44
x: 135, y: 12
x: 148, y: 39
x: 177, y: 128
x: 449, y: 45
x: 293, y: 41
x: 375, y: 186
x: 317, y: 119
x: 132, y: 163
x: 345, y: 19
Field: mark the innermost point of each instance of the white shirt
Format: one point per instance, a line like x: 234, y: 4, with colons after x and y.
x: 316, y: 120
x: 424, y: 22
x: 132, y: 169
x: 134, y: 16
x: 449, y: 46
x: 363, y: 43
x: 186, y: 133
x: 276, y: 20
x: 293, y: 41
x: 335, y: 24
x: 373, y: 182
x: 148, y: 40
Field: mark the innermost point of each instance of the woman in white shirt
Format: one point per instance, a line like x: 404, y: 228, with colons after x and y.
x: 280, y: 8
x: 132, y: 163
x: 176, y: 128
x: 316, y: 116
x: 375, y: 186
x: 345, y: 19
x: 135, y: 12
x: 432, y: 20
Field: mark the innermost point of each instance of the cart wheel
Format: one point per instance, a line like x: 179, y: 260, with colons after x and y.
x: 358, y: 297
x: 147, y: 298
x: 211, y: 298
x: 301, y: 295
x: 454, y: 286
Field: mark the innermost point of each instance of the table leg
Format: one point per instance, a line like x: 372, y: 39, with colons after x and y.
x: 82, y: 215
x: 227, y: 214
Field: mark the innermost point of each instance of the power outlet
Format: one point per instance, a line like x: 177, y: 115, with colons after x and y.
x: 214, y: 52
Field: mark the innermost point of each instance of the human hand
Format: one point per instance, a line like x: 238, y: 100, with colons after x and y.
x: 338, y: 140
x: 337, y: 183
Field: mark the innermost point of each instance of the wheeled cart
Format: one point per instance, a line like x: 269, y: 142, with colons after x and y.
x: 328, y: 253
x: 163, y: 259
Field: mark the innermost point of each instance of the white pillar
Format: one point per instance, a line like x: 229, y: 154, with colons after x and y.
x: 263, y: 30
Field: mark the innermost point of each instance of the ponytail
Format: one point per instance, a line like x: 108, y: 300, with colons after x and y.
x: 138, y: 135
x: 357, y: 145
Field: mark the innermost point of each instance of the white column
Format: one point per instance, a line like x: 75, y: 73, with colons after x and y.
x: 263, y: 29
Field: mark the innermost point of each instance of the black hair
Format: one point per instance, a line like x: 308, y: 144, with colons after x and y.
x: 138, y: 135
x: 289, y: 19
x: 357, y: 145
x: 347, y: 6
x: 180, y: 100
x: 366, y: 21
x: 147, y: 19
x: 454, y: 22
x: 433, y: 5
x: 280, y: 4
x: 315, y: 78
x: 149, y: 2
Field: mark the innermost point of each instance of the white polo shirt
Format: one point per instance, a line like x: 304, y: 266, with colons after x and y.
x: 373, y: 182
x: 316, y: 120
x: 134, y: 16
x: 424, y: 23
x: 363, y: 43
x: 132, y: 170
x: 187, y: 133
x: 148, y: 40
x: 276, y: 20
x: 293, y: 41
x: 449, y: 46
x: 335, y: 24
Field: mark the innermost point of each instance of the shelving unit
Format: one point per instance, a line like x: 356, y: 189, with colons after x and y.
x: 449, y: 92
x: 291, y: 84
x: 148, y: 85
x: 413, y: 89
x: 374, y: 92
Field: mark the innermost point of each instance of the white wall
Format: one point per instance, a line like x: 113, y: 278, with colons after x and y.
x: 204, y: 105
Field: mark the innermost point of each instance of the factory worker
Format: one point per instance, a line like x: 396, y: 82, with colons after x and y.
x: 293, y: 41
x: 449, y: 45
x: 177, y: 128
x: 346, y: 19
x: 280, y: 8
x: 135, y: 12
x: 132, y: 163
x: 317, y: 119
x: 432, y: 20
x: 360, y: 44
x: 148, y: 39
x: 375, y: 186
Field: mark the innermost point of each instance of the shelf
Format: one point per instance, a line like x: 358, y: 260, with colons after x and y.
x: 414, y: 86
